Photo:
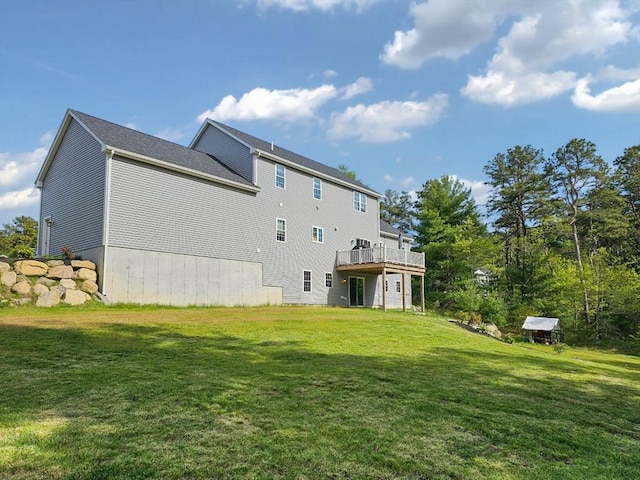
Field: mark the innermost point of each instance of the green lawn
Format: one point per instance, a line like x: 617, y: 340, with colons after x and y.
x: 303, y: 393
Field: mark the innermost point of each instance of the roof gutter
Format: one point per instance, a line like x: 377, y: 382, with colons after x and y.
x: 177, y: 168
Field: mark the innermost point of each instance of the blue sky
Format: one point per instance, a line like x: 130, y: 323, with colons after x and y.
x: 399, y: 91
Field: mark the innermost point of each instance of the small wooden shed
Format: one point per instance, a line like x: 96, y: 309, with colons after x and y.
x: 543, y: 330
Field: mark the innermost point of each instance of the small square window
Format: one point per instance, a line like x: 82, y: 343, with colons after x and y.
x: 306, y: 280
x: 318, y: 234
x: 328, y: 280
x: 280, y: 172
x: 317, y: 189
x: 281, y: 230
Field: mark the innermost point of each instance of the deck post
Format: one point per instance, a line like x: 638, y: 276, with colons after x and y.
x: 404, y: 297
x: 422, y: 291
x: 384, y: 289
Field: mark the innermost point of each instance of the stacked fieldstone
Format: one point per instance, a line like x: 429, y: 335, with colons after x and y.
x: 47, y: 283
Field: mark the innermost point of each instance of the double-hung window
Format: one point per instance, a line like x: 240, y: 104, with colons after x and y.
x: 281, y: 230
x: 318, y: 234
x: 398, y: 287
x: 360, y: 202
x: 280, y: 173
x: 317, y: 189
x: 306, y: 280
x: 328, y: 280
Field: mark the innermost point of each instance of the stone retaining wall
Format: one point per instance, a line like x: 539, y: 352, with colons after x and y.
x: 47, y: 283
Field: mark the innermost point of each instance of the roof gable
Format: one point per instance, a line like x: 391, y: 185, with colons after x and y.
x: 272, y: 150
x: 131, y: 143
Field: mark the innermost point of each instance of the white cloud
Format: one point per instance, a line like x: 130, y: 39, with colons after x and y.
x: 610, y: 72
x: 479, y: 190
x: 173, y: 134
x: 386, y: 121
x: 519, y: 71
x: 260, y: 103
x: 18, y: 173
x: 402, y: 183
x: 528, y: 62
x: 407, y: 182
x: 329, y: 73
x: 623, y: 98
x: 23, y: 198
x: 360, y: 86
x: 306, y: 5
x: 449, y: 28
x: 511, y: 90
x: 17, y: 168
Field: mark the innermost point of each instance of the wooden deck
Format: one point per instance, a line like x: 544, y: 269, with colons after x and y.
x: 382, y: 261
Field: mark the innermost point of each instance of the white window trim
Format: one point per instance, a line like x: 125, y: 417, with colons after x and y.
x: 313, y: 184
x: 330, y: 277
x: 284, y: 176
x: 362, y: 202
x: 310, y: 281
x: 320, y: 233
x: 363, y: 242
x: 285, y: 230
x: 398, y: 287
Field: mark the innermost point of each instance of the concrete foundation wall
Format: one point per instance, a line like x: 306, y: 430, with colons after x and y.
x: 140, y: 276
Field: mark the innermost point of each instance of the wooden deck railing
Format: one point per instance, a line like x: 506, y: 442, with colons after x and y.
x: 381, y: 254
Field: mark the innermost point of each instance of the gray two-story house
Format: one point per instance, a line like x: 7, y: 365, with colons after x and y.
x: 229, y: 220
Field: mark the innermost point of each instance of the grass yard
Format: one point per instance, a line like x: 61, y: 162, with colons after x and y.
x: 303, y: 393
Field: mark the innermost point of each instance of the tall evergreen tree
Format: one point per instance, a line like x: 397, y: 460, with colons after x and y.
x: 520, y: 192
x: 445, y: 210
x: 577, y: 169
x: 397, y: 209
x: 627, y: 177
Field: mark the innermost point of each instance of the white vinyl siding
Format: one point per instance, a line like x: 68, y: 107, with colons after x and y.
x: 73, y: 193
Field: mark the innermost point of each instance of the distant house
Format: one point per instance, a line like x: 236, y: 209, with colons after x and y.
x: 229, y: 220
x: 543, y: 330
x: 482, y: 277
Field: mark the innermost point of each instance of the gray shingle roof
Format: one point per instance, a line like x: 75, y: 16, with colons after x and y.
x: 386, y: 227
x: 291, y: 156
x: 140, y: 143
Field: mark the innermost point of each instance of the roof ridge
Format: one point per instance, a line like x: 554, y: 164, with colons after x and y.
x: 140, y: 132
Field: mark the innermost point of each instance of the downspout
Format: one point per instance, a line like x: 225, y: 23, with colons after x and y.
x: 105, y: 219
x: 256, y: 156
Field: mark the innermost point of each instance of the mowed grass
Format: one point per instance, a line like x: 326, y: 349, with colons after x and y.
x: 303, y: 393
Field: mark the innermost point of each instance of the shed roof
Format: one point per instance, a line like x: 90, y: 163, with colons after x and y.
x: 541, y: 323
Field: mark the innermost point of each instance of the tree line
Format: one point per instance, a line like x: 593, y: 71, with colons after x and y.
x: 560, y: 238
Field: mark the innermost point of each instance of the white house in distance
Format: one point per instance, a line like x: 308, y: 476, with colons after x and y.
x: 229, y: 220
